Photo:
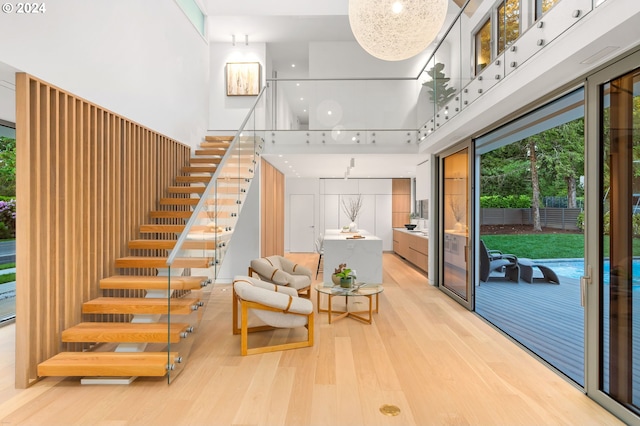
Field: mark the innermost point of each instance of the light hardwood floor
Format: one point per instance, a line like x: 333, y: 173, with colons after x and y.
x: 437, y: 362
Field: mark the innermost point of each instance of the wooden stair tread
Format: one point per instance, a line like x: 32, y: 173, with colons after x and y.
x: 170, y: 244
x: 186, y: 189
x: 138, y: 305
x: 217, y: 151
x: 193, y: 201
x: 225, y: 138
x: 161, y: 262
x: 199, y: 169
x: 170, y: 214
x: 209, y: 144
x: 160, y: 228
x: 205, y: 160
x: 107, y: 364
x: 185, y: 214
x: 146, y: 282
x: 124, y: 332
x: 193, y: 179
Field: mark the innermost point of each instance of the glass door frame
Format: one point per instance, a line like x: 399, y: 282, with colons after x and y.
x: 469, y: 252
x: 590, y: 284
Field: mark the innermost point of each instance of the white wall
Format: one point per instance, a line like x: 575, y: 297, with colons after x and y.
x: 346, y: 59
x: 245, y: 242
x: 300, y: 186
x: 226, y: 113
x: 140, y: 59
x: 375, y: 216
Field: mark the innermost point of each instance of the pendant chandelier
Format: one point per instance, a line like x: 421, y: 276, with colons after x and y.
x: 394, y: 30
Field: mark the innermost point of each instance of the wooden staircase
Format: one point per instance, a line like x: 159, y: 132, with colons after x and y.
x: 152, y: 325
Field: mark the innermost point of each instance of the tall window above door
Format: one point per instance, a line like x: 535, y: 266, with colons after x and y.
x: 508, y: 23
x: 483, y: 46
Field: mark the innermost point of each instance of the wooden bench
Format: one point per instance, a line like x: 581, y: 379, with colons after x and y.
x: 526, y: 272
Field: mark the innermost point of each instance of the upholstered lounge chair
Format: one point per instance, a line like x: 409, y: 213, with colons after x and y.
x: 282, y: 271
x: 274, y: 305
x: 495, y: 260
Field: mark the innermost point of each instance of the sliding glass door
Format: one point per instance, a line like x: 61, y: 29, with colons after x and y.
x: 613, y: 289
x: 454, y: 211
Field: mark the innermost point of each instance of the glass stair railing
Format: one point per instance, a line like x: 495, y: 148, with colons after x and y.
x: 203, y: 244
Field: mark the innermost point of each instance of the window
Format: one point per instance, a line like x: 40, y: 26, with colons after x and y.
x: 508, y: 23
x: 542, y: 6
x: 483, y: 46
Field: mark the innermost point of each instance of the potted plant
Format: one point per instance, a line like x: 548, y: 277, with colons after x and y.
x: 343, y: 276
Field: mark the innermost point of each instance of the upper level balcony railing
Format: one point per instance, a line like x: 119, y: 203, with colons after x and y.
x: 485, y: 43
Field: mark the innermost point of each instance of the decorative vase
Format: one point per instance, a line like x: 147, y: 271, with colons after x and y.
x: 335, y: 279
x: 346, y: 282
x: 353, y: 227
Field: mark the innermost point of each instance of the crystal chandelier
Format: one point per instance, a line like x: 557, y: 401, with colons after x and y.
x: 394, y: 30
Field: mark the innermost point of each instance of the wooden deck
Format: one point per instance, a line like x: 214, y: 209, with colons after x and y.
x: 548, y: 320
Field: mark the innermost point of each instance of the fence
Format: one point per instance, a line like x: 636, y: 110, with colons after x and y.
x: 549, y: 217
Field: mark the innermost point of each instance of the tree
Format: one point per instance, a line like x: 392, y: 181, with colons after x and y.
x: 438, y: 91
x: 7, y: 166
x: 562, y: 155
x: 535, y: 185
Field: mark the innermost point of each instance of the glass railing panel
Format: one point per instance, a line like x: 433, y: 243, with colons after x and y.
x: 201, y: 247
x: 371, y: 137
x: 335, y: 105
x: 426, y: 101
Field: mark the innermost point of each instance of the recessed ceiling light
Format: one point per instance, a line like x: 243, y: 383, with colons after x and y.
x: 329, y: 113
x: 280, y: 155
x: 396, y: 7
x: 304, y: 110
x: 285, y: 161
x: 302, y: 99
x: 293, y: 65
x: 298, y: 84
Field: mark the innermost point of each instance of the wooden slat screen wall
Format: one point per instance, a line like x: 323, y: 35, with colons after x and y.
x: 87, y: 178
x: 400, y: 202
x: 272, y: 210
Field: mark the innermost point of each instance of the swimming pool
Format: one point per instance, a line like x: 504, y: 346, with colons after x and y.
x: 574, y: 268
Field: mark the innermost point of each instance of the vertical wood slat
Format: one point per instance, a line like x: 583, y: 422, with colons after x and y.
x: 86, y: 180
x: 272, y: 210
x: 400, y: 202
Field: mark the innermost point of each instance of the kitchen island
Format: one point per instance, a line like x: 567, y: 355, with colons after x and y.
x: 364, y: 255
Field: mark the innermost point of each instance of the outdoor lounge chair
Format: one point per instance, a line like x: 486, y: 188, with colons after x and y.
x: 526, y: 272
x: 495, y: 260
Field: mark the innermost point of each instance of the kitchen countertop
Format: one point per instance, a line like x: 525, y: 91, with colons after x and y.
x: 414, y: 232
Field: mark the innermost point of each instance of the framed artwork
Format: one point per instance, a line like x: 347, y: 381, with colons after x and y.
x: 243, y: 78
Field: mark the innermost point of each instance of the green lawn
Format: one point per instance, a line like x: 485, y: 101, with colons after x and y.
x: 7, y: 266
x: 545, y: 246
x: 538, y: 246
x: 7, y: 278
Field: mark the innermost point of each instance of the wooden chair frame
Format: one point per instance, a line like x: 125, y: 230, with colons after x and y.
x: 244, y: 329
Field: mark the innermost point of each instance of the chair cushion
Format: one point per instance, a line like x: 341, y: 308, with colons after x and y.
x: 266, y: 285
x: 282, y: 271
x: 299, y: 281
x: 275, y: 299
